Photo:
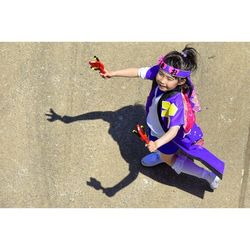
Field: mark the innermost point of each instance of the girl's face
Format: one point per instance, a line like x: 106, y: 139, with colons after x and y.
x: 167, y: 82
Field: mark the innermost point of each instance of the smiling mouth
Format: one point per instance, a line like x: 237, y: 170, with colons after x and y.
x: 162, y: 86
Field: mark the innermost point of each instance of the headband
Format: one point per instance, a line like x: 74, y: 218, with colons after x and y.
x: 171, y: 70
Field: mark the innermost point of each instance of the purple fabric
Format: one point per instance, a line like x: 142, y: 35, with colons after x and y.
x: 152, y: 72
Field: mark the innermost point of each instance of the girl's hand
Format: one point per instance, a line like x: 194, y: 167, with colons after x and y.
x: 108, y: 74
x: 152, y: 146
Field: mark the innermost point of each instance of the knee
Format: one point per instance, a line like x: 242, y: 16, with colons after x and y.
x: 168, y: 159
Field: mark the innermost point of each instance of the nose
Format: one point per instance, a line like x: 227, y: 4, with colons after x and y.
x: 163, y: 81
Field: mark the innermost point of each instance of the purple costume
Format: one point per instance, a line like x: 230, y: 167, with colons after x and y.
x: 172, y: 113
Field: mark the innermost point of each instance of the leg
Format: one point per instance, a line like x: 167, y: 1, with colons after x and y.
x: 169, y: 159
x: 156, y: 158
x: 182, y: 164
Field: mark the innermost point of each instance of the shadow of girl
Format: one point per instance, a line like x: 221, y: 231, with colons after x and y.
x: 122, y: 122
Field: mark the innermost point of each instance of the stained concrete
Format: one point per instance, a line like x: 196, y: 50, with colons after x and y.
x: 91, y: 158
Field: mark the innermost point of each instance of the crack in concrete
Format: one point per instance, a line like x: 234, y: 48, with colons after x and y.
x: 245, y: 173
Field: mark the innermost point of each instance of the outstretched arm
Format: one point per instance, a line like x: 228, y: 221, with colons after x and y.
x: 111, y: 191
x: 130, y: 72
x: 53, y: 116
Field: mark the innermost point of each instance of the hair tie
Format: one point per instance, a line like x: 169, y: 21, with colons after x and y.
x: 184, y: 54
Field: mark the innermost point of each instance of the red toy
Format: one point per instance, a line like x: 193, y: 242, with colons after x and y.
x: 97, y: 65
x: 139, y: 131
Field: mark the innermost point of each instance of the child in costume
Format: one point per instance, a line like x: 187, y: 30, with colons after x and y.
x: 174, y: 136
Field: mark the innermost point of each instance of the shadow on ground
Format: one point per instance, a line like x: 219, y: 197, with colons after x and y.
x: 122, y: 122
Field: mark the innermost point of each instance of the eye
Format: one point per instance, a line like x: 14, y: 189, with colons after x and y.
x: 170, y: 79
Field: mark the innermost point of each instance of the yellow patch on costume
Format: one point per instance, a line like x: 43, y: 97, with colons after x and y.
x: 168, y: 109
x: 166, y: 105
x: 172, y: 110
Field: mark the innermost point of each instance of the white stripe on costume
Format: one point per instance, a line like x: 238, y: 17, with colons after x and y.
x: 142, y: 72
x: 153, y: 119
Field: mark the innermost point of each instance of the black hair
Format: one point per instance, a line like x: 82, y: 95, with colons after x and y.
x: 184, y: 60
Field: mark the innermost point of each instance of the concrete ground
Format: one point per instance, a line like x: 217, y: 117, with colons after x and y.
x: 92, y: 159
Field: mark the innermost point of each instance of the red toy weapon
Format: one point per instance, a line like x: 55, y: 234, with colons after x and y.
x: 97, y: 65
x: 139, y: 131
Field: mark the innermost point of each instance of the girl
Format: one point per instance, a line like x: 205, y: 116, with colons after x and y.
x: 174, y: 136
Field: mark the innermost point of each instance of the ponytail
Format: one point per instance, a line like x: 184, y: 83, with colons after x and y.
x: 185, y: 60
x: 189, y: 56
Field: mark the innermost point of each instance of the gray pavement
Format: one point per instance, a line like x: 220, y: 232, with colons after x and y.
x: 92, y: 159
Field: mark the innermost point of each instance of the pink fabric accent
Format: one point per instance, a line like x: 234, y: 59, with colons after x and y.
x: 195, y: 102
x: 160, y: 60
x: 189, y: 116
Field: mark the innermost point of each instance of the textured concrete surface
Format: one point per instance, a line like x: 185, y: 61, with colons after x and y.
x: 92, y: 159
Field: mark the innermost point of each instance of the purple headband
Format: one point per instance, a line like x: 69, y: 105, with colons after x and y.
x: 171, y: 70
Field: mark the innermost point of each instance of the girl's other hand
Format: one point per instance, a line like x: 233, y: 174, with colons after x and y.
x: 152, y: 147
